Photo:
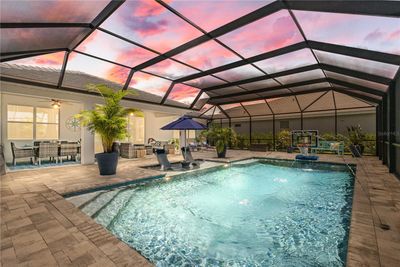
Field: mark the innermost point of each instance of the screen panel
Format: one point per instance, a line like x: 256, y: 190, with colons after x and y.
x: 212, y: 10
x: 150, y: 87
x: 106, y: 46
x: 150, y: 24
x: 260, y: 84
x: 207, y: 56
x: 234, y: 110
x: 94, y: 70
x: 307, y: 99
x: 269, y: 33
x: 301, y: 76
x: 367, y: 32
x: 51, y: 11
x: 341, y: 77
x: 218, y: 114
x: 323, y: 103
x: 358, y: 64
x: 285, y: 104
x: 182, y: 94
x: 269, y: 93
x: 45, y: 68
x: 205, y: 81
x: 201, y: 102
x: 257, y: 107
x: 28, y: 39
x: 170, y: 69
x: 239, y: 73
x: 346, y: 101
x: 205, y: 107
x: 310, y: 86
x: 292, y: 60
x: 229, y: 90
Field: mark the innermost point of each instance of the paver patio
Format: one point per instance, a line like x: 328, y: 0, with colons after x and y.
x: 40, y: 228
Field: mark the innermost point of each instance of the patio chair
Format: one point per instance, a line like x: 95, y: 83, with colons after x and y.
x: 47, y: 150
x: 19, y: 153
x: 68, y: 149
x: 189, y: 157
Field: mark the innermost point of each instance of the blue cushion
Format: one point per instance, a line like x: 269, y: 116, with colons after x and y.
x: 303, y: 157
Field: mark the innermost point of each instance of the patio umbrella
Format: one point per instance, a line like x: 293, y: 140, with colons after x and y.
x: 184, y: 123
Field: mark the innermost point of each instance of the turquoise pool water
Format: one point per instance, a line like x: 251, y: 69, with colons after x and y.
x: 251, y: 215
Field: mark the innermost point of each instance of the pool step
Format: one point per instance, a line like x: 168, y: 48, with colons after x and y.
x: 99, y: 202
x: 82, y: 200
x: 106, y: 214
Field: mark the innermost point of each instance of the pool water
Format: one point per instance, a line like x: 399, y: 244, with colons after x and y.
x: 251, y: 215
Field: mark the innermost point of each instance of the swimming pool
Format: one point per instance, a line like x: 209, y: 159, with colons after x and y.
x: 254, y: 214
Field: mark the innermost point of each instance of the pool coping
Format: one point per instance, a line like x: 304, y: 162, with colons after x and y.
x: 29, y: 198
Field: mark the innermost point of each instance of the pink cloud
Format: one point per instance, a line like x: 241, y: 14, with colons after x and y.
x: 213, y: 14
x: 51, y: 11
x: 207, y: 55
x: 184, y: 93
x: 394, y: 35
x: 50, y: 59
x: 149, y: 83
x: 150, y: 24
x: 372, y: 36
x: 272, y: 32
x: 117, y: 74
x: 170, y: 69
x: 367, y: 32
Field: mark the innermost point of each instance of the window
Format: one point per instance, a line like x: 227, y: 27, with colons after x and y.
x: 46, y: 123
x: 19, y: 122
x: 30, y: 123
x: 136, y: 129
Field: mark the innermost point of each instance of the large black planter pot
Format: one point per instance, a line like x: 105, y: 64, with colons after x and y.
x: 107, y: 163
x: 222, y: 154
x: 357, y: 150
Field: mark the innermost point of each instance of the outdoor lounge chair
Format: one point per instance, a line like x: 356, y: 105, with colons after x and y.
x: 162, y: 159
x: 189, y: 157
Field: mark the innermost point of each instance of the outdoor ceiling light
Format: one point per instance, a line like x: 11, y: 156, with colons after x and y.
x: 56, y: 104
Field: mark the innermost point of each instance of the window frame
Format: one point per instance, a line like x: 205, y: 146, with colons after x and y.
x: 34, y: 123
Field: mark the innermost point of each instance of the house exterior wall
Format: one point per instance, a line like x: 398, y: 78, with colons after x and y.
x: 155, y: 116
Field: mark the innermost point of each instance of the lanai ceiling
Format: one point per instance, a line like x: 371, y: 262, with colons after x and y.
x: 199, y: 54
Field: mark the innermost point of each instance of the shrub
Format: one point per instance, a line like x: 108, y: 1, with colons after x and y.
x: 283, y: 139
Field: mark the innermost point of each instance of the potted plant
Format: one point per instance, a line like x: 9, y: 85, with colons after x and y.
x: 221, y: 138
x: 110, y: 122
x: 356, y: 136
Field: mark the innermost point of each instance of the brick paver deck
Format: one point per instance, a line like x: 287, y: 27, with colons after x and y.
x: 40, y: 228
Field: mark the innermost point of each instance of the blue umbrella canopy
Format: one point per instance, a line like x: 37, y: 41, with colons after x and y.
x: 184, y: 123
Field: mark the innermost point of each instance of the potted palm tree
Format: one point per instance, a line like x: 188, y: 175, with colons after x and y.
x: 110, y: 122
x: 221, y: 138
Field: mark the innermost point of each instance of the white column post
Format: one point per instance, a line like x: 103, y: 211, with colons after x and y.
x: 87, y: 143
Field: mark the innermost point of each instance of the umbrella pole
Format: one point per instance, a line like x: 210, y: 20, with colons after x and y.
x: 185, y: 145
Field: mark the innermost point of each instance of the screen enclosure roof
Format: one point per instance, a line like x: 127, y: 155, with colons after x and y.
x: 209, y: 56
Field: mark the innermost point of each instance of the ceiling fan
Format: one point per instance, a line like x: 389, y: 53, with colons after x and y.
x: 56, y: 103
